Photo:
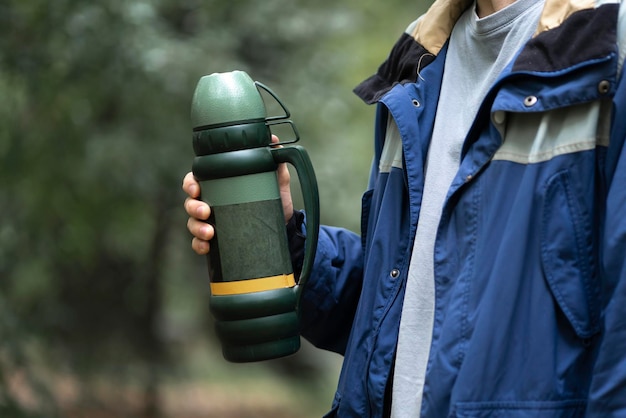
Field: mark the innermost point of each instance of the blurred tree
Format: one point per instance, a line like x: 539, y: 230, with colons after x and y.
x: 96, y: 275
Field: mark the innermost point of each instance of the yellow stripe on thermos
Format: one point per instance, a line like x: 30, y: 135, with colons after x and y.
x: 252, y: 285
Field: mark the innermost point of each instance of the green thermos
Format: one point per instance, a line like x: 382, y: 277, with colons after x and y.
x: 254, y: 295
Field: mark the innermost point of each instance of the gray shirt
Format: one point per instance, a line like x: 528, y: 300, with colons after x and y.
x: 478, y: 51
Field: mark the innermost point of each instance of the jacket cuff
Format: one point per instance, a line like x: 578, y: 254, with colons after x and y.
x: 296, y: 240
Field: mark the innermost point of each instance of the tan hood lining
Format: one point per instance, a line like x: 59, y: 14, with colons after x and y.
x: 434, y: 29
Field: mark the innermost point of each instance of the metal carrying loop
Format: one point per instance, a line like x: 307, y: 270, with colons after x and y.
x: 279, y: 120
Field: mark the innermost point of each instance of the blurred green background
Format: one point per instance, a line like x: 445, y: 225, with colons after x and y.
x: 103, y: 304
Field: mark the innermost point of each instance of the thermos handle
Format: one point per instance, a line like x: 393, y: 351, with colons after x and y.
x: 298, y: 157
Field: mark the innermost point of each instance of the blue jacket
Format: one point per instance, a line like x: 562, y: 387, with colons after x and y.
x: 530, y: 272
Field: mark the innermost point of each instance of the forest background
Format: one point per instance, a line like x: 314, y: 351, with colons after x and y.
x: 103, y: 304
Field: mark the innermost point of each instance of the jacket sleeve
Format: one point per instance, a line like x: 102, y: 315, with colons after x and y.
x: 331, y: 294
x: 608, y: 387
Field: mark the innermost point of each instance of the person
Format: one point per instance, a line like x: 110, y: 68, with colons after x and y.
x: 489, y: 277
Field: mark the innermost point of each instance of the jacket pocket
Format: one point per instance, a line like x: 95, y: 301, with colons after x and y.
x: 574, y: 408
x: 567, y: 255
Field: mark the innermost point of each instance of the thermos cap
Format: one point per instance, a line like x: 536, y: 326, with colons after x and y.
x: 226, y: 98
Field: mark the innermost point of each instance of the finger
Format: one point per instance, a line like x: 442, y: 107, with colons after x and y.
x: 284, y: 178
x: 200, y: 246
x: 197, y: 209
x: 200, y: 229
x: 283, y: 171
x: 191, y: 186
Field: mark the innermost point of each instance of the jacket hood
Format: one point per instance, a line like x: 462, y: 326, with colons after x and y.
x: 560, y: 40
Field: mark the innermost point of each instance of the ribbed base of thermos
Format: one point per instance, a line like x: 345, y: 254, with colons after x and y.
x: 257, y: 326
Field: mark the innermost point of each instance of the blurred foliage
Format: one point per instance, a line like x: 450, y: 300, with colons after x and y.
x: 98, y: 285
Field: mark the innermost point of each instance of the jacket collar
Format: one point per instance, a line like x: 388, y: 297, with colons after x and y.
x: 561, y: 40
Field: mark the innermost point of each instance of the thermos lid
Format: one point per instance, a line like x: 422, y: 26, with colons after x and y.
x: 226, y: 98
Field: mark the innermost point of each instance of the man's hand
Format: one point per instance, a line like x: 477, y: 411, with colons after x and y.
x: 200, y: 211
